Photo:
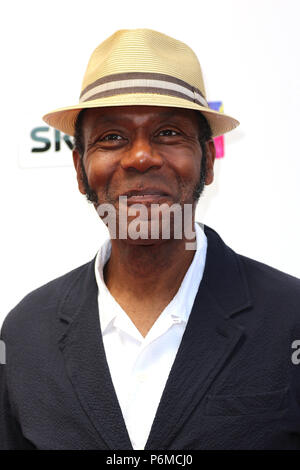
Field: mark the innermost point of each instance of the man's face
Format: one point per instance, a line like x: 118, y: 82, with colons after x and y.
x: 150, y: 154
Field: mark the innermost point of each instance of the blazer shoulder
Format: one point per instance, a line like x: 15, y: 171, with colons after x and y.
x: 260, y: 276
x: 272, y: 286
x: 37, y: 303
x: 269, y: 274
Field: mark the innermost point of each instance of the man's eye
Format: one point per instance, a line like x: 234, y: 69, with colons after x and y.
x: 110, y: 137
x: 167, y: 132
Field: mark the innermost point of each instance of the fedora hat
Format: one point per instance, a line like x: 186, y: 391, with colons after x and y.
x: 142, y: 67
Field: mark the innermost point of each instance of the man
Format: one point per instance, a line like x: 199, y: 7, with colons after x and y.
x: 167, y: 339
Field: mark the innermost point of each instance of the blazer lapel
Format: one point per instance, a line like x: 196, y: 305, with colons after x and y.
x: 85, y: 361
x: 211, y: 336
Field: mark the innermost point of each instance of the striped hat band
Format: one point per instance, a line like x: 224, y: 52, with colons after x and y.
x: 141, y: 82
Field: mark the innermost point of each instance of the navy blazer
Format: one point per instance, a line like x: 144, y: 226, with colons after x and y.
x: 233, y: 384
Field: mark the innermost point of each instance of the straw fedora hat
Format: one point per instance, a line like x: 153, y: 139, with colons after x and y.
x: 142, y: 67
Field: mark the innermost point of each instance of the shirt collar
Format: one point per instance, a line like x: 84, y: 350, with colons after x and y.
x: 179, y: 307
x: 107, y: 314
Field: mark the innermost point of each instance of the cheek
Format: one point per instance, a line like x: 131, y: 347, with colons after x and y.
x: 99, y: 171
x: 186, y: 163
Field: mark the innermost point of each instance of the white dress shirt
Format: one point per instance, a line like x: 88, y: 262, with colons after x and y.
x: 139, y: 366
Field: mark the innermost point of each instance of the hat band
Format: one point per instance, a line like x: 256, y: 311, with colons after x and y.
x: 142, y: 82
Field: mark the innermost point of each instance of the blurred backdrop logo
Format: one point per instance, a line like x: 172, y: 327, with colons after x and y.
x: 219, y: 141
x: 42, y: 146
x: 40, y: 135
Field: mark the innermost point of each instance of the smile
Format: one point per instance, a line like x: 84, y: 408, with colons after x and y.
x: 146, y: 195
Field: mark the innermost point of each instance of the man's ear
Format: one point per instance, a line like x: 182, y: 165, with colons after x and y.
x: 77, y: 165
x: 210, y: 160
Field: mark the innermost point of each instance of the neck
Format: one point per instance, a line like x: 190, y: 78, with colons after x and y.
x: 145, y: 271
x: 144, y: 278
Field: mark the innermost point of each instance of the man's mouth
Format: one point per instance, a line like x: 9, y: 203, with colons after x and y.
x: 146, y: 196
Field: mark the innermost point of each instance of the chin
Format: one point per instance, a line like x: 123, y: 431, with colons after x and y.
x: 146, y: 242
x: 143, y: 242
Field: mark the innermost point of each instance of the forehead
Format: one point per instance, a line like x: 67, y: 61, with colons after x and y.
x: 138, y: 115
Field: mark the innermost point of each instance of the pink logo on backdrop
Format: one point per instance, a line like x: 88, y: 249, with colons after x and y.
x: 219, y: 141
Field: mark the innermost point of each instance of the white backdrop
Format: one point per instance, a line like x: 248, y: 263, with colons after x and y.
x: 249, y: 53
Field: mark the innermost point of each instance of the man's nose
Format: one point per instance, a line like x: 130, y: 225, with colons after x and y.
x: 141, y: 156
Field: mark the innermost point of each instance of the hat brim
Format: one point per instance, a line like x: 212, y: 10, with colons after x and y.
x: 64, y: 119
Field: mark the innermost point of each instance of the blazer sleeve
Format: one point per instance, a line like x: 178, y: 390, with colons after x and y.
x: 11, y: 437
